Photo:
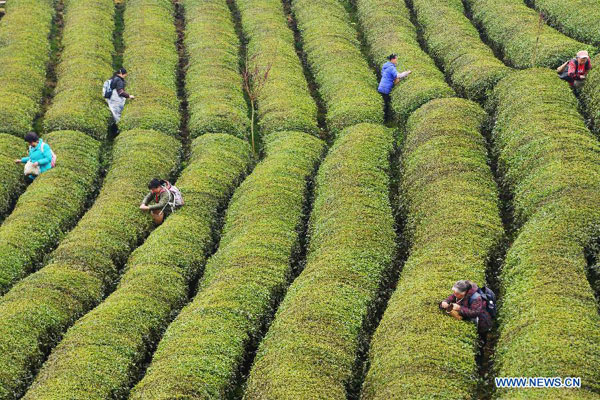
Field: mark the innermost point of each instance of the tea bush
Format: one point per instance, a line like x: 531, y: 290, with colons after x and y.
x: 118, y: 335
x: 204, y: 347
x: 50, y: 206
x: 38, y: 309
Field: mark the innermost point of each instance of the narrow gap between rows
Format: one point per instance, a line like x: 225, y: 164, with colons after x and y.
x: 313, y: 87
x: 179, y: 22
x: 392, y: 274
x: 105, y: 150
x: 55, y: 40
x: 298, y: 256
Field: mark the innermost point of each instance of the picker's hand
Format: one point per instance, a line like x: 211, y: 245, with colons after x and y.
x: 455, y: 307
x: 144, y: 207
x: 35, y: 164
x: 18, y: 161
x: 131, y: 96
x: 444, y: 305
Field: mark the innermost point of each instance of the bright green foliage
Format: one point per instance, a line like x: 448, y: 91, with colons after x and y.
x: 50, y: 206
x: 284, y: 102
x: 455, y: 43
x: 387, y: 28
x: 549, y: 324
x: 11, y: 174
x: 117, y: 336
x: 151, y: 61
x: 514, y: 29
x: 205, y: 346
x: 579, y: 19
x: 213, y: 82
x: 311, y: 348
x: 590, y: 94
x: 346, y: 83
x: 453, y: 227
x: 86, y: 62
x: 24, y: 55
x: 38, y: 309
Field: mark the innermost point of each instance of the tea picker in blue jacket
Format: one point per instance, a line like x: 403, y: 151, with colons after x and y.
x: 389, y: 78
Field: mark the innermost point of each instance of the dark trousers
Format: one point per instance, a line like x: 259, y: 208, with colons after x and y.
x: 386, y: 106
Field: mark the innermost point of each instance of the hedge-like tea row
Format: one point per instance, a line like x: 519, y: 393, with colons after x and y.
x: 549, y: 323
x: 151, y: 61
x: 49, y: 207
x: 11, y: 175
x: 310, y: 349
x: 86, y: 62
x: 387, y: 29
x: 35, y: 312
x: 117, y: 336
x: 579, y: 19
x: 284, y: 102
x: 346, y: 82
x: 590, y: 95
x: 453, y: 226
x: 213, y: 82
x: 205, y: 346
x: 514, y: 29
x: 24, y: 55
x: 452, y: 40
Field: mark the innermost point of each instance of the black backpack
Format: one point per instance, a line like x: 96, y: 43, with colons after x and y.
x: 489, y: 297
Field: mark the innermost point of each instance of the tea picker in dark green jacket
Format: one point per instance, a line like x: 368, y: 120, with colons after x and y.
x: 161, y: 197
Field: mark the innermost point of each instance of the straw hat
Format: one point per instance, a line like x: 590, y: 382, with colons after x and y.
x: 583, y: 54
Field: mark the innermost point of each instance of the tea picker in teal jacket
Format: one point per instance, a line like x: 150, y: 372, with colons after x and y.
x: 40, y: 154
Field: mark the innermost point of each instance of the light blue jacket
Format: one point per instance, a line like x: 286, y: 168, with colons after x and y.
x: 36, y: 155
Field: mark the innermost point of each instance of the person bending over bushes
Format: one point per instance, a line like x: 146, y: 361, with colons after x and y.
x: 167, y: 198
x: 115, y: 94
x: 575, y: 70
x: 389, y: 78
x: 470, y: 303
x: 41, y: 157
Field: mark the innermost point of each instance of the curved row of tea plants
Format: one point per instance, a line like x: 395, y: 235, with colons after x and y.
x: 549, y: 323
x: 590, y: 94
x: 11, y: 175
x: 50, y: 206
x: 151, y: 61
x: 284, y: 103
x: 451, y: 39
x: 388, y: 29
x: 346, y: 82
x: 86, y: 264
x: 579, y: 19
x: 518, y: 33
x: 204, y: 348
x: 213, y: 83
x: 86, y: 62
x: 117, y: 336
x: 24, y: 55
x: 453, y: 227
x: 311, y: 347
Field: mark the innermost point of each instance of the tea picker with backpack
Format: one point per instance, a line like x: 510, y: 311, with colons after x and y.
x: 115, y: 94
x: 40, y: 159
x: 167, y: 198
x: 470, y: 303
x: 575, y: 70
